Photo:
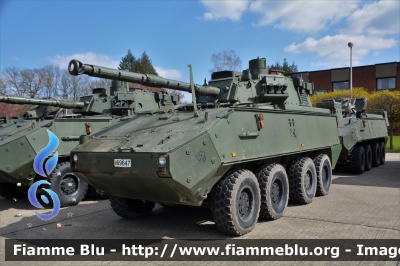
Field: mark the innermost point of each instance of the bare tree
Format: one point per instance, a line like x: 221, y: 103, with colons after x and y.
x: 51, y: 79
x: 72, y: 87
x: 65, y: 85
x: 31, y: 81
x: 12, y: 76
x: 225, y: 60
x: 99, y: 83
x: 3, y: 85
x: 5, y: 108
x: 48, y: 81
x: 80, y: 86
x: 84, y: 86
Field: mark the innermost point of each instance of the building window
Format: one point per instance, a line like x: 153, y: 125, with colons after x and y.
x: 340, y: 85
x: 320, y: 92
x: 386, y: 84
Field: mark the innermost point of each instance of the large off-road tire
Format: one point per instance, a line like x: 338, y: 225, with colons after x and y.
x: 376, y: 154
x: 68, y: 187
x: 236, y: 202
x: 131, y: 208
x: 324, y: 174
x: 274, y: 190
x: 368, y: 157
x: 357, y: 160
x: 302, y: 181
x: 9, y: 191
x: 383, y: 152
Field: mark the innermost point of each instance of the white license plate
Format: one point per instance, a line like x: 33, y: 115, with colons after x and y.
x: 122, y: 162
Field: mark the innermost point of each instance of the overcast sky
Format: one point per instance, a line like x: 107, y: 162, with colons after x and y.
x: 313, y: 34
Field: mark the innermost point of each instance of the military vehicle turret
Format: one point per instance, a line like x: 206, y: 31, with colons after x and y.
x: 103, y: 110
x: 8, y: 120
x: 363, y: 135
x: 248, y: 143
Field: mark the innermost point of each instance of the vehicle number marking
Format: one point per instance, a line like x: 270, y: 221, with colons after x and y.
x: 122, y: 162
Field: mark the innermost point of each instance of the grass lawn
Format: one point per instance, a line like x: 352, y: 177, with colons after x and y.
x: 396, y: 144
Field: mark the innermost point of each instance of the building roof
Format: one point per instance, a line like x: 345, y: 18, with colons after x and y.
x: 300, y: 72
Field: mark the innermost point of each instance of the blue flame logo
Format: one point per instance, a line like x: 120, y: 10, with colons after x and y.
x: 32, y: 198
x: 42, y: 155
x: 49, y: 167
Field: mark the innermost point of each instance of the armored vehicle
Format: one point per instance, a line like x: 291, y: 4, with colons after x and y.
x: 363, y: 136
x: 103, y: 110
x: 248, y: 143
x: 12, y: 126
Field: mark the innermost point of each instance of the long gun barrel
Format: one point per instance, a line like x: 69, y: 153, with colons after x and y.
x: 76, y: 68
x: 57, y: 103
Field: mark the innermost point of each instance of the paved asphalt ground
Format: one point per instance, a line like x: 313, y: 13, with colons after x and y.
x: 363, y: 206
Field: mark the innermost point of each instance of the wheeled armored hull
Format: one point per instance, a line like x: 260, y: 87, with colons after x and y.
x: 363, y: 136
x: 17, y: 128
x: 103, y: 110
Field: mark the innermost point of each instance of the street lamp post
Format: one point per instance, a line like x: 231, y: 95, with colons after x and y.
x: 350, y: 44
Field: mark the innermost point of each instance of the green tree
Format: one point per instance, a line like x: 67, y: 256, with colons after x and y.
x: 139, y: 65
x: 285, y: 66
x: 145, y: 65
x: 127, y: 62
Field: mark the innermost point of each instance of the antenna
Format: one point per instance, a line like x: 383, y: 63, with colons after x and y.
x: 196, y: 112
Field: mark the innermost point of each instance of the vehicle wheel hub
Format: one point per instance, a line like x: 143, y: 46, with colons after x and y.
x: 69, y: 185
x: 275, y: 193
x: 307, y: 181
x: 245, y: 203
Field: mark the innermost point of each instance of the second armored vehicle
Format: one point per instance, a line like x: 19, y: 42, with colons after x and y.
x: 35, y: 116
x: 363, y: 136
x: 103, y: 110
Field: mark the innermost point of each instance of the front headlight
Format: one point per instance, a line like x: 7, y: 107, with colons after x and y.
x: 75, y: 158
x: 162, y: 160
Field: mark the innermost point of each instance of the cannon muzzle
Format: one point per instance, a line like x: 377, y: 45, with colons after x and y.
x: 48, y: 102
x: 76, y: 68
